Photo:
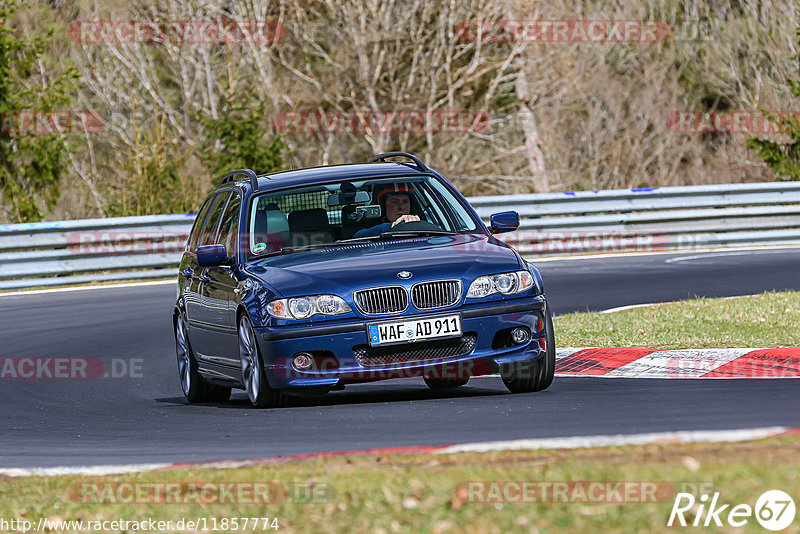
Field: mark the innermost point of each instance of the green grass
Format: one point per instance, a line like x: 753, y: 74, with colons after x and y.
x: 767, y: 320
x: 419, y: 493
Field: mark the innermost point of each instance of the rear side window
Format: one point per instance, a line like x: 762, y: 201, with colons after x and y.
x: 230, y: 224
x: 198, y: 223
x: 212, y: 221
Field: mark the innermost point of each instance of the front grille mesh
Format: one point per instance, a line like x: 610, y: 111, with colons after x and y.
x: 381, y: 300
x: 438, y: 294
x: 415, y: 352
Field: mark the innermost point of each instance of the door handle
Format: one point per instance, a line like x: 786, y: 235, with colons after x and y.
x: 186, y: 273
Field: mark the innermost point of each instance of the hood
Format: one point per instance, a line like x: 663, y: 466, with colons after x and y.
x: 341, y: 270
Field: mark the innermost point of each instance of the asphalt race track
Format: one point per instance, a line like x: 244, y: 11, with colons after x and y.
x: 145, y: 419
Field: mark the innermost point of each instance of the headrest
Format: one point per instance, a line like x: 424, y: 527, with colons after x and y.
x: 309, y: 220
x: 271, y: 225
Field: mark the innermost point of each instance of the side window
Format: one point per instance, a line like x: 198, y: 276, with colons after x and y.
x: 429, y: 211
x: 230, y: 224
x: 212, y: 221
x: 462, y: 218
x: 432, y: 208
x: 198, y: 223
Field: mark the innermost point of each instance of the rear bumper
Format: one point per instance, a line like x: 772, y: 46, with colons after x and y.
x: 279, y: 345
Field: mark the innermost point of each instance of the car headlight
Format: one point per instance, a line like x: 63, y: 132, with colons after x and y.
x: 305, y: 307
x: 504, y: 283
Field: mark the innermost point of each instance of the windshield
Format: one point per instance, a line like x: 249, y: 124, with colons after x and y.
x: 354, y: 209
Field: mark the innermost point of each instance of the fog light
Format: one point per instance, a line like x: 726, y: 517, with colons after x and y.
x: 303, y: 361
x: 520, y: 335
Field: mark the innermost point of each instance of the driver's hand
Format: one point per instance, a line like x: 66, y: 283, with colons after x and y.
x: 405, y: 219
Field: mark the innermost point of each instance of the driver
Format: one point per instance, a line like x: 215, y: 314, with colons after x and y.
x: 395, y: 203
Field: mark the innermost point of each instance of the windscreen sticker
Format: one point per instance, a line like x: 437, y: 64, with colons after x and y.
x: 259, y: 247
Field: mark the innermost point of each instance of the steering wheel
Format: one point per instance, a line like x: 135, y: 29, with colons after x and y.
x: 414, y: 226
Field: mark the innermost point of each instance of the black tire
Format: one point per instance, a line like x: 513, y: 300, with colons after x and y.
x: 253, y: 376
x: 445, y: 383
x: 527, y: 377
x: 195, y: 389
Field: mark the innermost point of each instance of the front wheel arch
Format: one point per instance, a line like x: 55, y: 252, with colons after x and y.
x: 526, y: 377
x: 241, y: 310
x: 254, y: 376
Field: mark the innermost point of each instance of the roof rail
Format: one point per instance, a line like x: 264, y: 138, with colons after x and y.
x: 412, y: 157
x: 247, y: 172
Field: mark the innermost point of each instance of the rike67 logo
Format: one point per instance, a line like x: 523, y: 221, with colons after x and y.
x: 774, y: 510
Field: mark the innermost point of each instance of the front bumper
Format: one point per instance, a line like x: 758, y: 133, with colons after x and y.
x: 279, y: 345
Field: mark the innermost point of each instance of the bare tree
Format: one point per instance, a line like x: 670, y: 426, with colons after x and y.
x: 550, y: 115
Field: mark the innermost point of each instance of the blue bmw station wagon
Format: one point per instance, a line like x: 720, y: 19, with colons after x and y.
x: 303, y: 281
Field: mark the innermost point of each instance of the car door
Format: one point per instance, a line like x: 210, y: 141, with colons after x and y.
x: 199, y: 311
x: 218, y: 291
x: 189, y: 270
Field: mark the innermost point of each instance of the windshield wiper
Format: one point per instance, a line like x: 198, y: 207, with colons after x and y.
x: 414, y: 233
x: 289, y: 250
x: 385, y: 236
x: 357, y: 239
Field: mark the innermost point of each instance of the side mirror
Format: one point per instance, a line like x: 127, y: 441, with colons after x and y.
x: 507, y: 221
x: 211, y: 255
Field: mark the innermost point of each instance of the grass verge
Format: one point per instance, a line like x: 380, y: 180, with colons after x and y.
x: 754, y: 321
x: 427, y: 493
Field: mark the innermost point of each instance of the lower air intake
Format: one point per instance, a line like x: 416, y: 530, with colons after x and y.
x: 415, y: 352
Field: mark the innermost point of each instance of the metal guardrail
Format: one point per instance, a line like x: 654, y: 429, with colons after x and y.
x: 584, y: 222
x: 651, y: 219
x: 72, y: 252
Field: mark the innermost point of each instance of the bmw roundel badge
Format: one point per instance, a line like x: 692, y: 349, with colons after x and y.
x: 405, y: 275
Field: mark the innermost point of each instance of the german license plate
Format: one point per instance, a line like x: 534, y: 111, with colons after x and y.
x: 414, y: 330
